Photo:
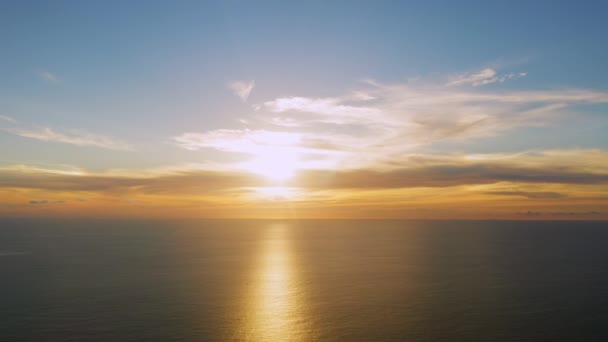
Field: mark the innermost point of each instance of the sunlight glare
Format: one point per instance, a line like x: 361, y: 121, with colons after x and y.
x: 275, y: 163
x: 275, y: 155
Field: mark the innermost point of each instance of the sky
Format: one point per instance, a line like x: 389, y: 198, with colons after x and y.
x: 316, y: 109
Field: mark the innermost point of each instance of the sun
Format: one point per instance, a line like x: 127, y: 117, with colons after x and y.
x: 278, y: 164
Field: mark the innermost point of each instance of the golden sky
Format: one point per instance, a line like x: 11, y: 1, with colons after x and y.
x: 536, y: 185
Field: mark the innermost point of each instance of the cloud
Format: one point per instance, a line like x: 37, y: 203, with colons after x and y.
x: 73, y: 137
x: 43, y: 202
x: 7, y: 118
x: 262, y: 149
x: 378, y: 124
x: 49, y: 77
x: 78, y: 138
x: 383, y: 121
x: 285, y: 122
x: 450, y: 186
x: 236, y: 140
x: 574, y: 213
x: 550, y: 167
x: 561, y: 213
x: 528, y: 194
x: 242, y: 89
x: 531, y: 213
x: 178, y: 182
x: 443, y: 176
x: 581, y: 167
x: 326, y: 106
x: 482, y: 77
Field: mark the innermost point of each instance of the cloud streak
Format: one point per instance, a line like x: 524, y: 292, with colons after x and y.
x: 73, y: 137
x: 483, y: 77
x: 182, y: 182
x: 560, y: 213
x: 44, y: 202
x: 323, y: 106
x: 8, y: 119
x: 77, y: 138
x: 529, y: 194
x: 236, y: 140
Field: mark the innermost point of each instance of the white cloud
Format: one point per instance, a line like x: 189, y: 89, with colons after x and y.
x: 362, y: 96
x: 380, y: 123
x: 482, y: 77
x: 285, y: 122
x: 327, y: 106
x: 242, y: 89
x: 49, y: 77
x: 74, y: 138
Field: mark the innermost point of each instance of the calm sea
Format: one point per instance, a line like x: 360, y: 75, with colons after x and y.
x: 103, y: 280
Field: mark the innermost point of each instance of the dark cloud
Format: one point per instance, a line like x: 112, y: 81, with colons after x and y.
x: 446, y: 175
x: 574, y: 213
x: 184, y: 182
x: 561, y: 213
x: 42, y: 202
x: 201, y: 182
x: 530, y: 195
x: 531, y: 213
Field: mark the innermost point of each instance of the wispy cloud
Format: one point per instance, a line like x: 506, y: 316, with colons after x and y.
x: 236, y: 140
x: 382, y: 121
x: 49, y: 77
x: 242, y: 89
x: 325, y: 106
x: 8, y: 119
x: 482, y: 77
x: 73, y: 137
x: 376, y: 125
x: 78, y: 138
x: 183, y: 181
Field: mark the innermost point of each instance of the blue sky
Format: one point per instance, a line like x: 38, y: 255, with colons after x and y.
x: 164, y: 65
x: 141, y: 85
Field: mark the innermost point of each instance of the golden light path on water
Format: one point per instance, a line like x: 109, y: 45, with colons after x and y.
x: 275, y: 303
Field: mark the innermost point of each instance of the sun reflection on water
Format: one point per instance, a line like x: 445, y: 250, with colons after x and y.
x: 275, y: 304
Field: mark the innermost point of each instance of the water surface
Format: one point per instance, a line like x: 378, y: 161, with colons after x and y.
x: 104, y: 280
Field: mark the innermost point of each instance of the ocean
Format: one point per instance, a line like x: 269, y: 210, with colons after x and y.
x: 306, y: 280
